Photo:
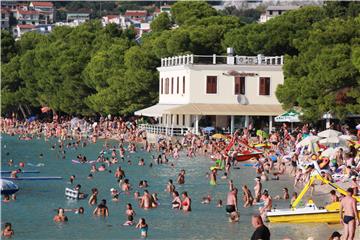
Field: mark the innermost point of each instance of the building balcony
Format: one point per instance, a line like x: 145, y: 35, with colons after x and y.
x: 221, y: 59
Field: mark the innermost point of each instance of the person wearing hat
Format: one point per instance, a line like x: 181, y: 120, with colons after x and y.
x: 114, y: 195
x: 257, y: 189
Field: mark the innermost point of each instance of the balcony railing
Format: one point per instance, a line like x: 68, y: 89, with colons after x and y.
x: 221, y: 59
x: 165, y: 130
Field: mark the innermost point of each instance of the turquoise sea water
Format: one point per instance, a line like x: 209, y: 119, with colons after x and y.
x: 31, y: 214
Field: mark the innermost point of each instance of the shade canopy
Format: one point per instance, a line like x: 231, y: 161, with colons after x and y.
x: 227, y: 109
x: 289, y: 116
x: 155, y: 111
x: 329, y: 133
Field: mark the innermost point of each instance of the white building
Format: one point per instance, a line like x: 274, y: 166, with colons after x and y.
x: 274, y: 11
x: 111, y: 19
x: 46, y: 11
x: 220, y: 91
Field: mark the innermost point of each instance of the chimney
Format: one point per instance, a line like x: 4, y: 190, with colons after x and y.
x: 230, y: 59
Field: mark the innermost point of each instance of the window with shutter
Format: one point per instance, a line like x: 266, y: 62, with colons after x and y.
x: 211, y: 84
x: 161, y: 86
x: 183, y: 84
x: 167, y: 86
x: 172, y: 85
x: 177, y: 85
x: 264, y: 86
x: 239, y: 85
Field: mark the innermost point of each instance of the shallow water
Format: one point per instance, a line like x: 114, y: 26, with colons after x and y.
x: 31, y: 214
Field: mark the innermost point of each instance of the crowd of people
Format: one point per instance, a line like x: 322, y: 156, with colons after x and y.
x: 280, y: 155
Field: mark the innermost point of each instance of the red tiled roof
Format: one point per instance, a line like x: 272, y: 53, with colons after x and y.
x: 23, y: 12
x: 142, y: 13
x: 26, y: 26
x: 112, y: 16
x: 42, y: 4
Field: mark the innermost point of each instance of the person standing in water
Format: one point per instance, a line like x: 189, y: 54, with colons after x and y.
x: 232, y: 201
x: 186, y: 202
x: 143, y: 227
x: 181, y: 177
x: 349, y: 215
x: 257, y: 189
x: 213, y: 177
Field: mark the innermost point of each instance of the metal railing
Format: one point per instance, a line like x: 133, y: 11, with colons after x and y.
x: 165, y: 130
x: 222, y: 59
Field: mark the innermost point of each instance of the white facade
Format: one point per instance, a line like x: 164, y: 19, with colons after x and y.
x: 220, y: 88
x: 195, y: 84
x: 274, y: 11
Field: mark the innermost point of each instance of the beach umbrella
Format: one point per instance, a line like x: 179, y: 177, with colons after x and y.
x: 347, y: 137
x: 328, y: 152
x: 330, y: 140
x: 74, y: 122
x: 290, y: 116
x: 218, y: 136
x: 8, y: 187
x: 308, y: 141
x: 329, y: 133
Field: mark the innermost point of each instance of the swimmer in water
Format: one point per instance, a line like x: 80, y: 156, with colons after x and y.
x: 10, y: 162
x: 60, y: 216
x: 101, y: 209
x: 114, y: 195
x: 8, y: 232
x: 130, y: 213
x: 14, y: 173
x: 143, y: 227
x: 206, y: 200
x: 93, y: 197
x: 72, y: 178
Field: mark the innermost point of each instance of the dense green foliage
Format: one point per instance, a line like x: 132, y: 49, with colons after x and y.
x: 92, y: 69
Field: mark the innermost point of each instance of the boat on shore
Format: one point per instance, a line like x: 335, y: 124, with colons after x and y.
x: 310, y: 213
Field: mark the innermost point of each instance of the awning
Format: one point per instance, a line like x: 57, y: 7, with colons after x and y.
x: 155, y: 111
x: 290, y: 116
x: 227, y: 109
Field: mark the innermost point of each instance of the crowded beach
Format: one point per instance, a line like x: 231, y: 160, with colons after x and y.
x: 303, y: 154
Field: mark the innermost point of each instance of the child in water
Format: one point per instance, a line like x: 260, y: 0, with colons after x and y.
x: 143, y: 227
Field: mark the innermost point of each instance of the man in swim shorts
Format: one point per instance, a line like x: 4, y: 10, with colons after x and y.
x: 349, y: 215
x: 231, y: 202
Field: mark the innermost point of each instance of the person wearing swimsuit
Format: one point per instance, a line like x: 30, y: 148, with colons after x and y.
x: 349, y: 215
x: 143, y: 227
x: 186, y: 202
x: 176, y: 202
